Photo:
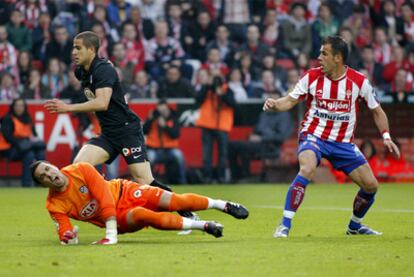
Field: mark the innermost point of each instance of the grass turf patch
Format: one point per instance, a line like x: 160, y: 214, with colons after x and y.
x: 317, y: 245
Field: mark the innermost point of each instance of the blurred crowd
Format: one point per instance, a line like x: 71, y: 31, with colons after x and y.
x: 171, y: 48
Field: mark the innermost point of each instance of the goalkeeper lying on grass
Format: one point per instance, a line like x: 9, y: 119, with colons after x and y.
x: 79, y: 192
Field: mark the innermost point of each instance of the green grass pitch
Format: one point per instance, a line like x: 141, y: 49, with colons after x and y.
x: 317, y: 245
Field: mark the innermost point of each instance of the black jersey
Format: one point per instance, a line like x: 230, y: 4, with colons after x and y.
x: 102, y: 74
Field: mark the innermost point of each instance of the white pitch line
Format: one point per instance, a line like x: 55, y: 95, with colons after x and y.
x: 337, y: 209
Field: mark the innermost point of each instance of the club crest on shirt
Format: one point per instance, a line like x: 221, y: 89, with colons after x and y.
x: 89, y: 94
x: 137, y: 193
x: 83, y: 189
x: 348, y: 94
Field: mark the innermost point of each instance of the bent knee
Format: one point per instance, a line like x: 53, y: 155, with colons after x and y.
x: 371, y: 185
x: 307, y: 171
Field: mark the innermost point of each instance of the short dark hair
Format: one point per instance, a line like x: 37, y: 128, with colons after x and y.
x: 89, y: 39
x: 33, y: 168
x: 339, y: 46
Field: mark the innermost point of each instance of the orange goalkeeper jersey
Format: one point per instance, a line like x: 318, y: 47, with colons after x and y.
x: 88, y: 197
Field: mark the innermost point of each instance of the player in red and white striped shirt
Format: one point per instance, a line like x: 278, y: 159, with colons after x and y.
x: 332, y: 92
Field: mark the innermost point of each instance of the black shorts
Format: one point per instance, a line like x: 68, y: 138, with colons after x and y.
x: 130, y: 145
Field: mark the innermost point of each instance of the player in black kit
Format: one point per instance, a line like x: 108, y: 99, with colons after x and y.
x: 121, y: 128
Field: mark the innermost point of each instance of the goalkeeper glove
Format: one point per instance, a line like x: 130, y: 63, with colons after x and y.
x: 70, y: 237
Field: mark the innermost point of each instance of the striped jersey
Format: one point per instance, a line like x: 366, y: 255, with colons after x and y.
x: 332, y: 105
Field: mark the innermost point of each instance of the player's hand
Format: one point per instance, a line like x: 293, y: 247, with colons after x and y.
x: 106, y: 241
x: 56, y: 106
x: 269, y: 105
x: 393, y: 148
x: 70, y: 237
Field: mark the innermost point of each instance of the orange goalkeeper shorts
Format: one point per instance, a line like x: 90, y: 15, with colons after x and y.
x: 135, y: 195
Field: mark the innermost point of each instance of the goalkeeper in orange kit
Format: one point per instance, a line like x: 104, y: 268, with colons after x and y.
x: 79, y: 192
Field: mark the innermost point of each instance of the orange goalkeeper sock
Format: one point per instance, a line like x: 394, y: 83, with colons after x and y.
x: 188, y: 202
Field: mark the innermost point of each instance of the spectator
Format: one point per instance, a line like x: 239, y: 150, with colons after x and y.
x: 60, y: 47
x: 152, y: 9
x: 32, y: 10
x: 121, y: 61
x: 374, y: 68
x: 236, y: 85
x: 217, y: 106
x: 387, y: 18
x: 163, y: 132
x: 41, y: 36
x: 302, y: 63
x: 236, y: 15
x: 389, y: 169
x: 398, y: 60
x: 177, y: 26
x: 325, y: 25
x: 269, y: 63
x: 354, y: 56
x: 8, y: 89
x: 18, y: 34
x: 293, y: 77
x: 270, y: 30
x: 271, y: 130
x: 360, y: 25
x: 134, y: 48
x: 266, y: 86
x: 73, y: 90
x: 55, y: 79
x: 202, y: 79
x: 280, y: 6
x: 33, y: 88
x: 105, y: 39
x: 142, y: 87
x: 224, y: 45
x: 174, y: 86
x: 145, y: 27
x: 402, y: 86
x: 296, y: 34
x: 18, y: 130
x: 118, y: 12
x: 8, y: 53
x: 249, y: 76
x: 214, y: 64
x: 161, y: 50
x: 198, y: 35
x: 254, y: 47
x: 400, y: 170
x: 408, y: 24
x: 341, y: 9
x: 5, y: 10
x: 99, y: 15
x: 382, y: 49
x: 24, y: 64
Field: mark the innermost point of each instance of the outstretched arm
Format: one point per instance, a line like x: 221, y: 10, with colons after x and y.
x: 381, y: 121
x: 67, y: 233
x: 100, y: 103
x: 281, y: 104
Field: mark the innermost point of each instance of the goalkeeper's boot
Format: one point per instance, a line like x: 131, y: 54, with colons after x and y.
x: 363, y: 230
x: 281, y: 231
x: 236, y: 210
x: 214, y: 228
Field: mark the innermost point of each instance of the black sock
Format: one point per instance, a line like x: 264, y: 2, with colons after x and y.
x: 158, y: 184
